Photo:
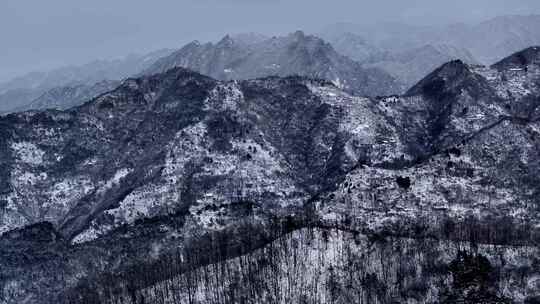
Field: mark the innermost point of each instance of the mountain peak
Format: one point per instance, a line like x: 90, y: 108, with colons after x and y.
x: 175, y: 74
x: 448, y: 75
x: 299, y: 34
x: 311, y: 41
x: 520, y: 60
x: 226, y: 41
x: 295, y: 54
x: 453, y: 68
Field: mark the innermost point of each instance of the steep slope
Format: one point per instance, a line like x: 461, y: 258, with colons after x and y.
x: 521, y: 60
x: 175, y: 122
x: 149, y: 189
x: 450, y: 96
x: 475, y: 152
x: 517, y: 80
x: 62, y: 98
x: 180, y: 148
x: 295, y: 54
x: 321, y: 266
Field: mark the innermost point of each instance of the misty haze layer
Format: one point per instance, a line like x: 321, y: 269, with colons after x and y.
x: 39, y: 35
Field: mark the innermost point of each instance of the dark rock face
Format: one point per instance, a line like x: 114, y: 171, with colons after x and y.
x: 38, y: 233
x: 449, y: 92
x: 403, y: 182
x: 532, y: 300
x: 521, y: 60
x: 296, y: 54
x: 180, y: 169
x: 475, y: 280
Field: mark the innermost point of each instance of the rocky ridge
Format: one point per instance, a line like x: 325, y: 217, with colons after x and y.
x: 294, y: 54
x: 147, y: 175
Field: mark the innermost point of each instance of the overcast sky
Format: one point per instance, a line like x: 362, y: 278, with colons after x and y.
x: 39, y: 34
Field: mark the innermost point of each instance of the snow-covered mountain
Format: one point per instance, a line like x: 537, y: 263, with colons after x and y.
x: 176, y: 187
x: 295, y: 54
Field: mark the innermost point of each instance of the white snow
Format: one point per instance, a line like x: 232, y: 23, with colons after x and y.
x: 339, y: 83
x: 115, y: 180
x: 86, y: 236
x: 226, y: 96
x: 28, y: 153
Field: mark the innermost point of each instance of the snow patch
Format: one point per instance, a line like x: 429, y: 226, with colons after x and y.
x: 28, y: 153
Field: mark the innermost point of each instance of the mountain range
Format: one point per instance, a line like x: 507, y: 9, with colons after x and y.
x: 19, y: 93
x: 409, y: 52
x: 387, y: 59
x: 294, y: 54
x: 177, y: 187
x: 488, y: 41
x: 242, y: 56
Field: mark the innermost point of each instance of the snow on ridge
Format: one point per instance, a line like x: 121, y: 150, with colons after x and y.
x: 68, y: 191
x: 28, y: 153
x: 89, y: 234
x: 115, y: 180
x: 226, y: 96
x: 511, y: 84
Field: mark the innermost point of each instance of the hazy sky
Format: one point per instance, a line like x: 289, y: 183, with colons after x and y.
x: 41, y: 34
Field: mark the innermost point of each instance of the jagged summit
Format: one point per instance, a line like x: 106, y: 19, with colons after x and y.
x: 152, y: 169
x: 226, y: 41
x: 193, y: 43
x: 299, y: 34
x: 294, y: 54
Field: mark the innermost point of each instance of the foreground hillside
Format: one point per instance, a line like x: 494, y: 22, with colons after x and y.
x: 332, y: 266
x: 146, y: 191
